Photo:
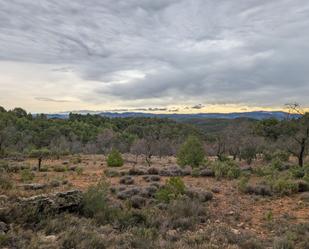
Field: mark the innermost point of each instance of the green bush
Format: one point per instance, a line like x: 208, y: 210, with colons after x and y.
x: 114, y: 159
x: 27, y: 175
x: 243, y: 184
x: 278, y: 154
x: 5, y: 181
x: 4, y: 166
x: 191, y: 153
x: 284, y: 186
x: 79, y: 171
x: 60, y: 168
x: 195, y: 172
x: 173, y: 189
x: 95, y: 204
x: 227, y: 169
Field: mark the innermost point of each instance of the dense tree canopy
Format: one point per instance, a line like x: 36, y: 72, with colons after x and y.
x: 21, y: 133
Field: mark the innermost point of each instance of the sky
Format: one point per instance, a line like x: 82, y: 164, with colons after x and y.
x: 154, y: 55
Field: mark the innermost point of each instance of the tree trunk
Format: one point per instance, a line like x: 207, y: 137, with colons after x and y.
x: 302, y: 153
x: 39, y: 163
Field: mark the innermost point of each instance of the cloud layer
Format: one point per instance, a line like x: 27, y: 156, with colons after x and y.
x: 164, y: 52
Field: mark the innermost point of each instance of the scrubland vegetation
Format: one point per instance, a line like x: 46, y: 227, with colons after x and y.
x: 95, y: 182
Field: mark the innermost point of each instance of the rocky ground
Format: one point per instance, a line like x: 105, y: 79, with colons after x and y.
x: 42, y: 209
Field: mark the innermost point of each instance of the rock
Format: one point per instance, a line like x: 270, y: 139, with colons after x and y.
x: 33, y: 186
x: 3, y: 200
x: 65, y: 162
x: 162, y: 206
x: 303, y: 186
x: 172, y: 235
x: 207, y: 172
x: 137, y: 201
x: 305, y: 197
x: 246, y: 168
x: 235, y: 231
x: 215, y: 190
x: 47, y: 204
x: 4, y: 228
x: 127, y: 180
x: 72, y: 168
x: 48, y: 239
x: 157, y: 185
x: 186, y: 171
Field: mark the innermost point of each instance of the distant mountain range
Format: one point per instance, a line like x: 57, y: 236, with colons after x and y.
x: 259, y: 115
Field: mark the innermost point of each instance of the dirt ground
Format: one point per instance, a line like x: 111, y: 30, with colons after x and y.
x: 229, y: 207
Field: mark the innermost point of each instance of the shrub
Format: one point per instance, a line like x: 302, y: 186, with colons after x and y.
x: 185, y: 213
x: 195, y: 172
x: 4, y: 166
x: 5, y: 181
x: 76, y: 160
x: 279, y: 154
x: 173, y: 189
x: 60, y: 168
x: 27, y: 175
x: 191, y: 153
x: 284, y: 186
x: 243, y: 184
x: 79, y: 171
x: 114, y: 159
x: 95, y: 203
x: 282, y: 243
x: 227, y: 169
x: 78, y: 238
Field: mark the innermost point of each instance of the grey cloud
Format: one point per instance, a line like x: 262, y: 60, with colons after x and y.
x: 199, y: 106
x: 196, y: 51
x: 51, y: 100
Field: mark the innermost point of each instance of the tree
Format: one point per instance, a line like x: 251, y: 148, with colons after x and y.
x: 191, y: 152
x: 40, y: 154
x: 292, y: 133
x: 114, y: 159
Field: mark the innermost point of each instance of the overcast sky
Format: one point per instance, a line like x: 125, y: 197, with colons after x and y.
x: 166, y: 55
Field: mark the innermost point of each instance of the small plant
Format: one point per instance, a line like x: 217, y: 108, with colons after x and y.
x: 79, y: 171
x: 76, y: 160
x: 269, y: 216
x: 191, y: 153
x: 26, y: 175
x: 282, y: 243
x: 173, y: 189
x: 284, y: 186
x: 5, y: 181
x: 243, y: 184
x: 60, y: 168
x: 114, y: 159
x: 195, y: 172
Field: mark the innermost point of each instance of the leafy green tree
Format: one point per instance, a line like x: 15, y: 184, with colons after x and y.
x: 191, y: 153
x: 291, y: 134
x: 40, y: 154
x: 114, y: 159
